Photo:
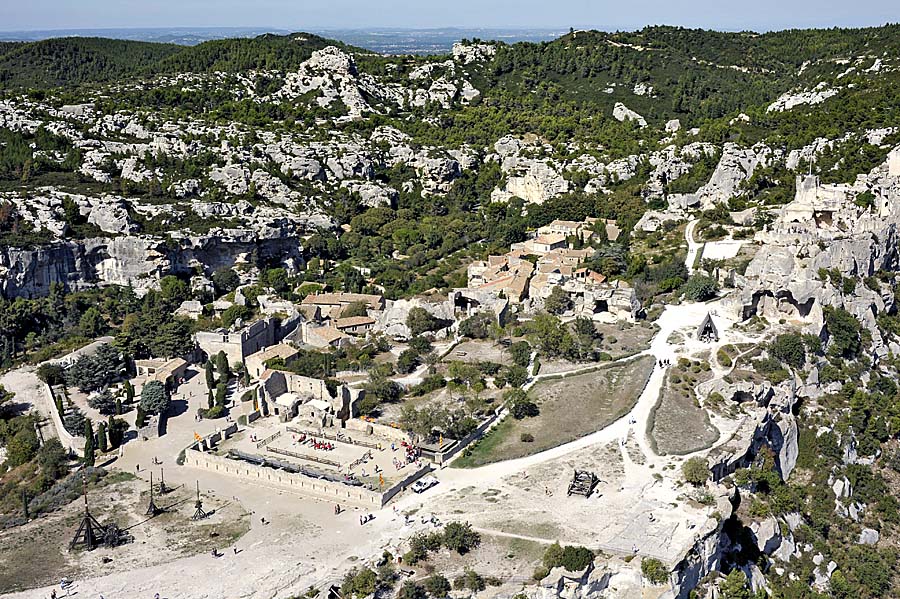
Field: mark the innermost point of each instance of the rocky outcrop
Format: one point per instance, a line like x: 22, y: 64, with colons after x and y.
x: 469, y: 53
x: 372, y: 194
x: 736, y: 165
x: 622, y: 113
x: 815, y: 96
x: 392, y: 320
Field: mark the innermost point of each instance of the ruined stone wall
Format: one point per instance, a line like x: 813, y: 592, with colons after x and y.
x: 292, y: 483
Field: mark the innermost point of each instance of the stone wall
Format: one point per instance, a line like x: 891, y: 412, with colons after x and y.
x: 374, y: 429
x: 70, y: 442
x: 286, y: 481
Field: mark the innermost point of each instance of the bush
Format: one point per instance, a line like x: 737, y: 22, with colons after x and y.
x: 213, y: 412
x: 460, y: 537
x: 437, y: 586
x: 477, y: 326
x: 844, y: 330
x: 558, y: 301
x: 519, y: 404
x: 52, y: 374
x: 699, y: 288
x: 526, y: 438
x: 359, y: 583
x: 419, y: 321
x: 411, y: 590
x: 471, y: 580
x: 520, y: 351
x: 789, y: 349
x: 572, y: 558
x: 723, y: 358
x: 695, y: 471
x: 407, y: 361
x: 654, y: 570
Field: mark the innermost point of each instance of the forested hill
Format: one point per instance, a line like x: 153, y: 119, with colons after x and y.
x: 687, y: 73
x: 699, y: 73
x: 281, y: 52
x: 75, y: 60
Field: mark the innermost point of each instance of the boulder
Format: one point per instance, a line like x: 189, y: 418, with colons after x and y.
x: 622, y: 113
x: 868, y: 536
x: 767, y: 535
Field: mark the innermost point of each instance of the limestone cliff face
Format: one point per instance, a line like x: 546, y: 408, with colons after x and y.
x: 134, y: 260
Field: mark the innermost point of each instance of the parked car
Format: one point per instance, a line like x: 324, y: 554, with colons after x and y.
x: 423, y: 484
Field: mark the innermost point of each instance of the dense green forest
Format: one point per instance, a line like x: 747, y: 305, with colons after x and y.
x: 74, y: 61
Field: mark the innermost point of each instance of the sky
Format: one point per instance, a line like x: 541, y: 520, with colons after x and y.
x: 731, y: 15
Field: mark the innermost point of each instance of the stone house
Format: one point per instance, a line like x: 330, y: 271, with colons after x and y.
x: 256, y: 363
x: 355, y: 325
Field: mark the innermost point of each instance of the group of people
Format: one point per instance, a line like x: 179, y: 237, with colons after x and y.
x: 312, y: 442
x: 364, y: 518
x: 411, y: 455
x: 662, y: 363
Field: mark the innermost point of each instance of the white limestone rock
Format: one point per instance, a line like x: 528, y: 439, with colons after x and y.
x: 469, y: 53
x: 815, y: 96
x: 868, y: 536
x: 622, y: 113
x: 372, y: 194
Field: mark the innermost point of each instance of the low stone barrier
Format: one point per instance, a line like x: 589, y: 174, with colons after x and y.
x: 298, y: 483
x: 68, y: 441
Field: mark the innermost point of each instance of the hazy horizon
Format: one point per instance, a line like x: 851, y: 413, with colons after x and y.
x: 348, y: 15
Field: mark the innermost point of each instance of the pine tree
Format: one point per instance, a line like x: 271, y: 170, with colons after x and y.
x: 89, y: 449
x: 101, y: 437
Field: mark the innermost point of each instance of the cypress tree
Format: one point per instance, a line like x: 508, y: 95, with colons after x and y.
x: 210, y: 375
x: 89, y: 449
x: 101, y: 437
x: 210, y: 402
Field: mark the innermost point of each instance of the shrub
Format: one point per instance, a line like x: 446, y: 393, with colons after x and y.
x: 359, y: 583
x: 572, y: 558
x: 520, y: 351
x: 437, y: 586
x: 695, y: 471
x: 213, y: 412
x: 699, y: 288
x: 654, y: 571
x: 471, y: 580
x: 844, y: 330
x: 411, y: 590
x: 526, y: 438
x: 52, y: 374
x: 789, y: 349
x: 723, y: 358
x: 460, y: 537
x: 477, y: 326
